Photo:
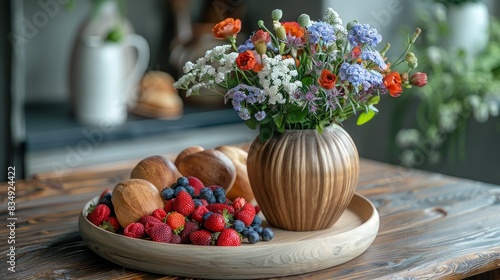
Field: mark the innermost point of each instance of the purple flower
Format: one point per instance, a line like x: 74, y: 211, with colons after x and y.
x: 321, y: 30
x: 248, y: 45
x: 260, y: 115
x: 244, y: 114
x: 363, y: 34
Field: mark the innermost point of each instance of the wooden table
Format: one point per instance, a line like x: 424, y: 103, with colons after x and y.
x: 431, y: 227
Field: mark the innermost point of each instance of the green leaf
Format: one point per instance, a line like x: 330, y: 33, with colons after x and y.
x: 278, y: 120
x: 365, y: 117
x: 374, y: 100
x: 252, y: 123
x: 307, y: 81
x: 296, y: 116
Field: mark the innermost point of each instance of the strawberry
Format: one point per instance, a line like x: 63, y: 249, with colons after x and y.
x: 184, y: 203
x: 105, y: 193
x: 188, y: 228
x: 198, y: 213
x: 169, y: 205
x: 149, y: 221
x: 229, y: 237
x: 176, y: 239
x: 246, y: 214
x: 201, y: 237
x: 111, y: 224
x: 176, y: 221
x: 160, y: 214
x: 99, y: 214
x: 196, y: 183
x: 257, y: 209
x: 220, y: 207
x: 134, y: 230
x: 238, y: 203
x: 160, y: 233
x: 215, y: 222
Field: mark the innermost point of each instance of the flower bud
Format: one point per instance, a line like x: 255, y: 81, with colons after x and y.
x: 412, y: 60
x: 276, y: 14
x: 260, y: 40
x: 304, y: 20
x: 404, y: 77
x: 281, y: 32
x: 419, y: 79
x: 415, y: 35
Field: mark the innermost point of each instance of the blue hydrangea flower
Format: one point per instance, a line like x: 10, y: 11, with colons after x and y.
x: 321, y: 30
x: 248, y: 45
x: 244, y: 114
x: 363, y: 34
x: 358, y: 76
x: 375, y: 57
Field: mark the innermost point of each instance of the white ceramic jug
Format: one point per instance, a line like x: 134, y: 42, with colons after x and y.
x: 102, y: 81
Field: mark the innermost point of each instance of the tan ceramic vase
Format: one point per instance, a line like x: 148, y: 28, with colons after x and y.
x: 303, y: 180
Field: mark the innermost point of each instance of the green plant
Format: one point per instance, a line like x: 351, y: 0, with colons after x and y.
x: 461, y: 89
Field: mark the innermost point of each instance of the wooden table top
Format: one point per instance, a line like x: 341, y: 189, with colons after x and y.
x: 431, y: 227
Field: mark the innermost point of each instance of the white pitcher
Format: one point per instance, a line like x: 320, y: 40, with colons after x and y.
x: 102, y: 81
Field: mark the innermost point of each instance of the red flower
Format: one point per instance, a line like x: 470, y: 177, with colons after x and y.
x: 293, y: 29
x: 419, y: 79
x: 355, y: 52
x: 227, y: 29
x: 246, y: 60
x: 327, y: 79
x: 392, y: 82
x: 260, y: 40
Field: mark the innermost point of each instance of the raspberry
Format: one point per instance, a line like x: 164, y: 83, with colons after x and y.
x: 160, y: 233
x: 99, y: 214
x: 176, y: 239
x: 134, y: 230
x: 149, y: 221
x: 189, y: 227
x: 160, y: 214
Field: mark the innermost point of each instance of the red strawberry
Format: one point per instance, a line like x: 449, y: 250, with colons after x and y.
x: 196, y: 183
x: 149, y: 221
x: 111, y: 224
x: 246, y: 214
x: 220, y: 207
x: 201, y: 237
x: 99, y: 214
x: 184, y: 203
x: 134, y: 230
x: 176, y: 239
x: 238, y: 203
x: 215, y: 222
x: 188, y: 228
x: 257, y: 209
x: 105, y: 192
x: 198, y: 213
x: 169, y: 205
x: 176, y: 221
x: 160, y: 233
x: 229, y: 237
x: 160, y: 214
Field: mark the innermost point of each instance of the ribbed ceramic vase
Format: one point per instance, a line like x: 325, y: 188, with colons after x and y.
x: 304, y: 180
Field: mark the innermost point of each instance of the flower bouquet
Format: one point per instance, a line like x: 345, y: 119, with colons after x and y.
x: 301, y: 74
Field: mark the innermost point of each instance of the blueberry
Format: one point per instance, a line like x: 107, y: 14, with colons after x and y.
x: 253, y: 237
x: 257, y: 221
x: 167, y: 193
x: 197, y: 202
x: 174, y: 185
x: 206, y: 215
x: 219, y: 191
x: 206, y: 193
x: 238, y: 225
x: 182, y: 181
x: 267, y: 234
x: 220, y: 199
x: 257, y: 229
x: 178, y: 190
x: 190, y: 190
x: 211, y: 200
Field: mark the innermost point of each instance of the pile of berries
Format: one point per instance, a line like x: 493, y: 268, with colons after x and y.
x: 193, y: 214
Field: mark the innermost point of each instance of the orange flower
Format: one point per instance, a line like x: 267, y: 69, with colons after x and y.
x: 392, y: 82
x: 327, y: 79
x: 227, y: 29
x: 246, y: 60
x: 258, y: 67
x: 293, y: 29
x: 355, y: 52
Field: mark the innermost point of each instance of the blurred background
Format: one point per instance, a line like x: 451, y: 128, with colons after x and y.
x: 451, y: 126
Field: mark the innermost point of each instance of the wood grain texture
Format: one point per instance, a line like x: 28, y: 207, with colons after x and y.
x: 431, y: 227
x: 290, y: 252
x: 304, y: 180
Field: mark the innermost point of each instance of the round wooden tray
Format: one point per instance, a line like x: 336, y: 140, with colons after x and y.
x: 287, y: 254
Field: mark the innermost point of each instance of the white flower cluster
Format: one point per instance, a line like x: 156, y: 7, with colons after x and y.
x: 332, y: 17
x: 278, y: 74
x: 212, y: 69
